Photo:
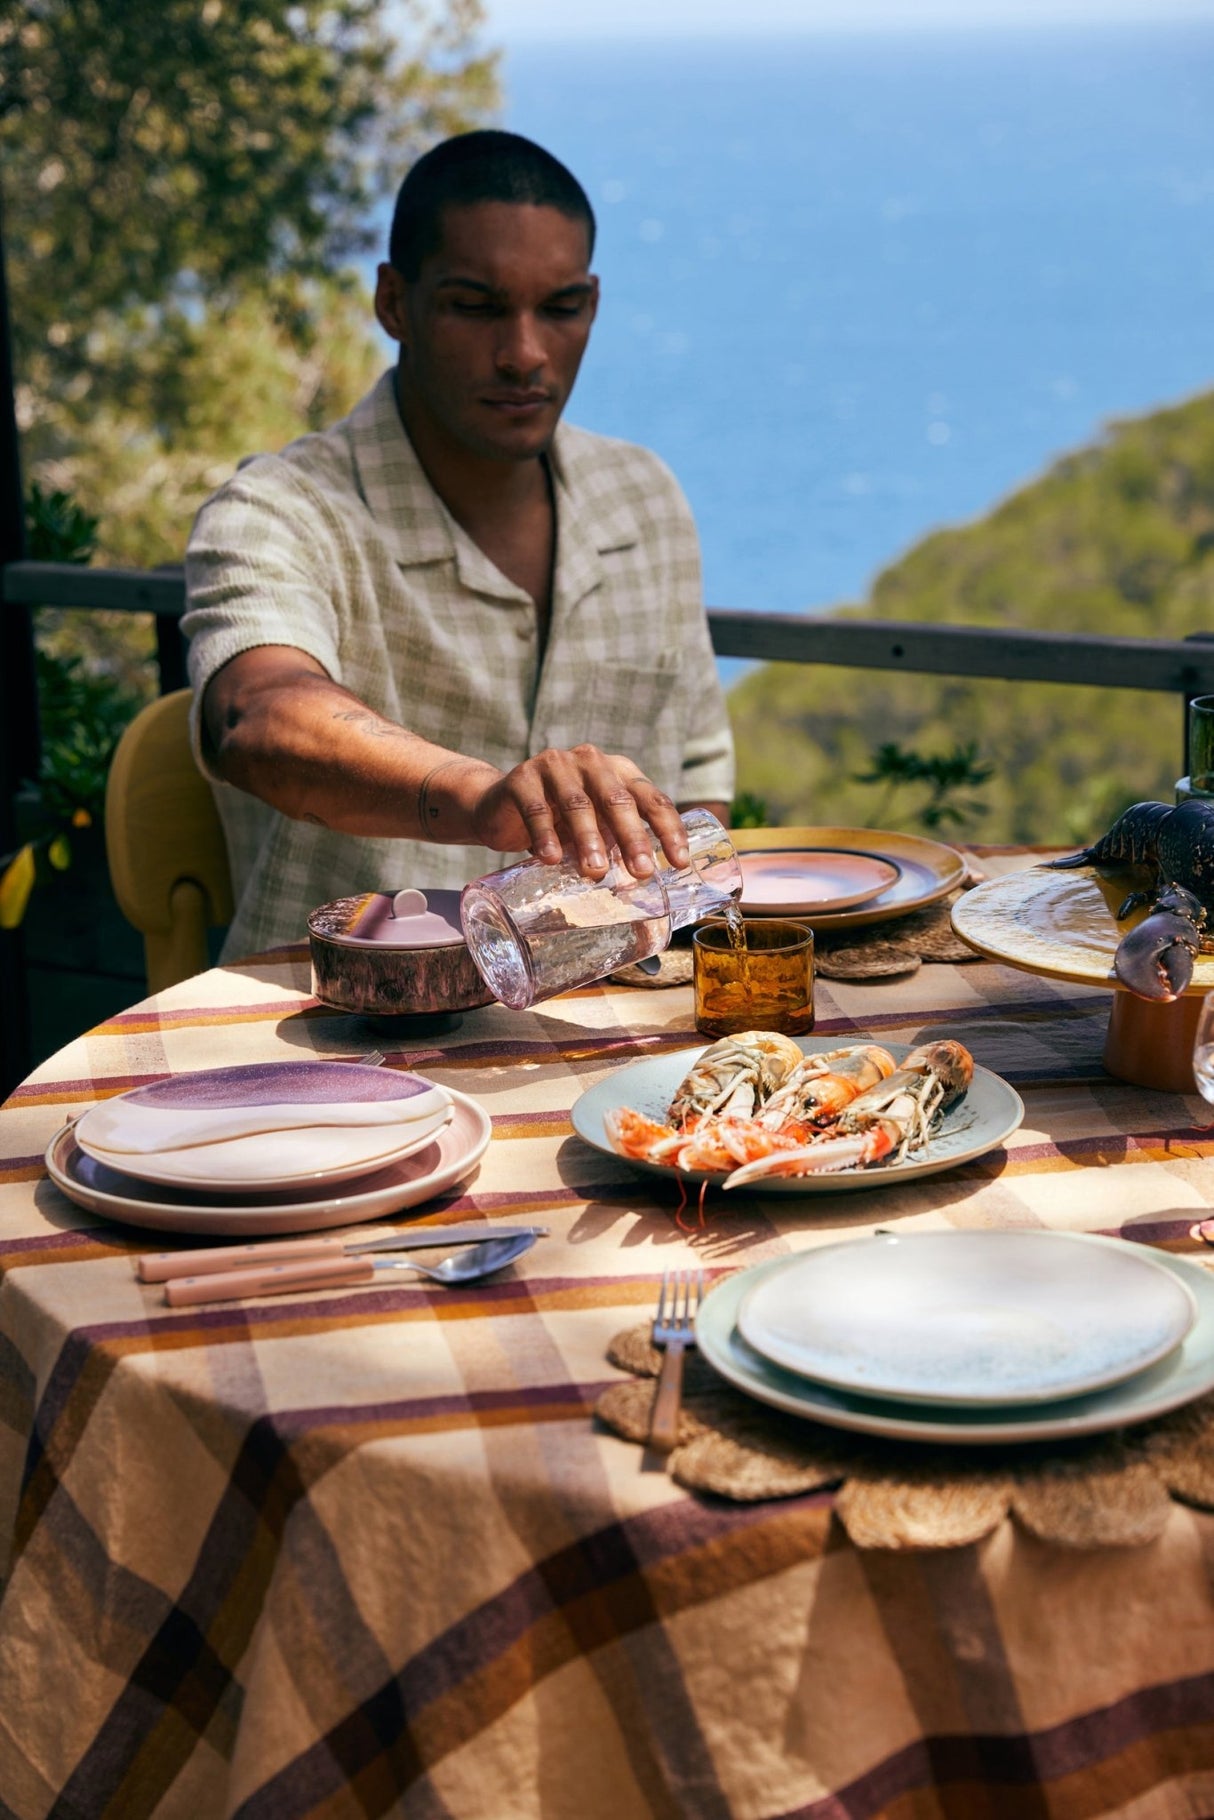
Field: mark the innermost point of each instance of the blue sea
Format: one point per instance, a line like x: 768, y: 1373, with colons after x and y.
x: 855, y: 288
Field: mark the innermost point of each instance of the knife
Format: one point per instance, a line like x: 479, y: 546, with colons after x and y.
x: 163, y: 1265
x: 468, y: 1265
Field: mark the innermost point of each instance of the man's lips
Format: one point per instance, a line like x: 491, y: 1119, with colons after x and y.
x: 517, y: 401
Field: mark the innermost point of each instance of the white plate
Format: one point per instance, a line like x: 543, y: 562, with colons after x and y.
x: 989, y: 1113
x: 1186, y: 1373
x: 978, y: 1318
x: 798, y: 880
x: 311, y: 1158
x: 447, y: 1159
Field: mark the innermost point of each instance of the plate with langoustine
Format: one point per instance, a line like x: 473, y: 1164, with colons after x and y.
x: 775, y: 1115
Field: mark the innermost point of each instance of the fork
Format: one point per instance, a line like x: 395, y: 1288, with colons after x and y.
x: 673, y: 1331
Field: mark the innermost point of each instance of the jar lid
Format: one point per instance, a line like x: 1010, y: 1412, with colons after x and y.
x: 384, y: 919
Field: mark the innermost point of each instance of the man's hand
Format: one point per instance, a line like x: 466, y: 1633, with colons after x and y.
x: 584, y: 800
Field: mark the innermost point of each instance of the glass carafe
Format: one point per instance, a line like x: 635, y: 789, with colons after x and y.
x: 536, y: 930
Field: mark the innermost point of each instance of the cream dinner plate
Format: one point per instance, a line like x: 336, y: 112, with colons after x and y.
x: 1061, y: 924
x: 978, y: 1318
x: 447, y: 1159
x: 989, y: 1113
x: 927, y: 870
x: 1187, y: 1372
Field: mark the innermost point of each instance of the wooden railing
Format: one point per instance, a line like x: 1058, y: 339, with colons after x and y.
x: 1180, y: 667
x: 1166, y: 666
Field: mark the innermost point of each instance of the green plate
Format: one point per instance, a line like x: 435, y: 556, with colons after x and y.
x: 1185, y: 1374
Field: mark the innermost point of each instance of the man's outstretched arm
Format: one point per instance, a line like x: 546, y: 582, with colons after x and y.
x: 278, y: 726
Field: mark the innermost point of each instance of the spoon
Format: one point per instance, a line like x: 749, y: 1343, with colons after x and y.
x: 466, y: 1266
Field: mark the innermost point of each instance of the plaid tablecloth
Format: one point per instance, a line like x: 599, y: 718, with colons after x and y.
x: 366, y: 1552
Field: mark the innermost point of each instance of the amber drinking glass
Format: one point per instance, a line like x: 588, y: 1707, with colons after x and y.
x: 761, y: 978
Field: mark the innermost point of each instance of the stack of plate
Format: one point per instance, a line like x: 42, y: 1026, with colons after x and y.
x: 967, y: 1336
x: 269, y: 1147
x: 843, y: 878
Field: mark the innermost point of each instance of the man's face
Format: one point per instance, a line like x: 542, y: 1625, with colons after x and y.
x: 493, y: 329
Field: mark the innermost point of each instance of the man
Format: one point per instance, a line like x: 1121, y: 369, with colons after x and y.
x: 451, y: 628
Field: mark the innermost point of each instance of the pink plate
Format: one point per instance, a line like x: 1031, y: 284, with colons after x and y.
x: 793, y: 881
x: 449, y: 1158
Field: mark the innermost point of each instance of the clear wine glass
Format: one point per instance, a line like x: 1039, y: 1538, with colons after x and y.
x: 1203, y: 1072
x: 1203, y: 1050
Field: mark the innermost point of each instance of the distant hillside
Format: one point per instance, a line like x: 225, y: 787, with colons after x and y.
x: 1118, y: 538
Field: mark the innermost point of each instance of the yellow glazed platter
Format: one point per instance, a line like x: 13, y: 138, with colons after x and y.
x: 1061, y: 924
x: 927, y: 870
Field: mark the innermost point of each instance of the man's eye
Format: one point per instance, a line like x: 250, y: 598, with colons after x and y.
x: 565, y: 309
x: 471, y: 306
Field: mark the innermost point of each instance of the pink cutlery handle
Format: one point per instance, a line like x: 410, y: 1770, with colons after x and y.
x: 234, y: 1285
x: 165, y: 1264
x: 664, y: 1424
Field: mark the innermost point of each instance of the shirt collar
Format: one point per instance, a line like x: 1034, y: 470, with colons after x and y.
x: 417, y: 526
x: 587, y: 527
x: 411, y: 517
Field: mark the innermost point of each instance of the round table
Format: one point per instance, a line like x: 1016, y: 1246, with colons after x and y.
x: 367, y: 1551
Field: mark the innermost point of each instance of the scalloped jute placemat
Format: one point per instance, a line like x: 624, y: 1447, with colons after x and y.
x: 884, y: 950
x: 1109, y: 1491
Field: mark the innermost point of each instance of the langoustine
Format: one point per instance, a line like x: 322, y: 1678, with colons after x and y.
x: 821, y: 1086
x: 884, y: 1123
x: 840, y: 1109
x: 735, y: 1075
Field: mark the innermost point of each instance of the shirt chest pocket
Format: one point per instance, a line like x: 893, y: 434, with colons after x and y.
x: 638, y: 710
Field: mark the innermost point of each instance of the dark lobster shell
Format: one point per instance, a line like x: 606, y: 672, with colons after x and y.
x: 1155, y: 960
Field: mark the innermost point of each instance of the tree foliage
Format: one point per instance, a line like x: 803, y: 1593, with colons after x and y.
x: 940, y: 779
x: 1116, y: 539
x: 82, y: 716
x: 182, y: 181
x: 160, y: 154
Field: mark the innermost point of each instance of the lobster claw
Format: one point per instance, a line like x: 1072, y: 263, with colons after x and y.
x: 1155, y: 960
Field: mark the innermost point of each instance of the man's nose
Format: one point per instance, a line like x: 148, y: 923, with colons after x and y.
x: 520, y: 348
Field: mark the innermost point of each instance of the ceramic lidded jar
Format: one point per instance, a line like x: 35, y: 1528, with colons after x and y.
x: 394, y: 955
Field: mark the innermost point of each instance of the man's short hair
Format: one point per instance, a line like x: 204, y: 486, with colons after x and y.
x: 478, y: 167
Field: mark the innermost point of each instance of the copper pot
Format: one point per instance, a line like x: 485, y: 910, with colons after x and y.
x: 402, y: 954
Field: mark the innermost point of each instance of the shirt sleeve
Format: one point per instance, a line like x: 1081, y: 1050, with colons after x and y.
x: 258, y: 571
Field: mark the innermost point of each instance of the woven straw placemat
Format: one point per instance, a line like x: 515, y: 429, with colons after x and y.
x: 885, y: 950
x: 674, y: 968
x: 881, y: 951
x: 1109, y: 1491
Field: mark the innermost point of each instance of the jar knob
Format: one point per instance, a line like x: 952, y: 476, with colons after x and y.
x: 409, y: 902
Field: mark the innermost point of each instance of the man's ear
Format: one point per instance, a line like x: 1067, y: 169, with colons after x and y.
x: 390, y: 309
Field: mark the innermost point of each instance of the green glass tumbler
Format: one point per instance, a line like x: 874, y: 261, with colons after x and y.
x: 1201, y: 746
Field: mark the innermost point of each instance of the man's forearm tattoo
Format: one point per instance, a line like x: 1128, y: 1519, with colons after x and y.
x: 374, y: 724
x: 427, y: 812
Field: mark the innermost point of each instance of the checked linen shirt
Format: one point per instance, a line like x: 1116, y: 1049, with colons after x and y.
x: 340, y: 547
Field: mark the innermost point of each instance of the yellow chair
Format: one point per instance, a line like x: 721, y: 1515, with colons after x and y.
x: 164, y: 842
